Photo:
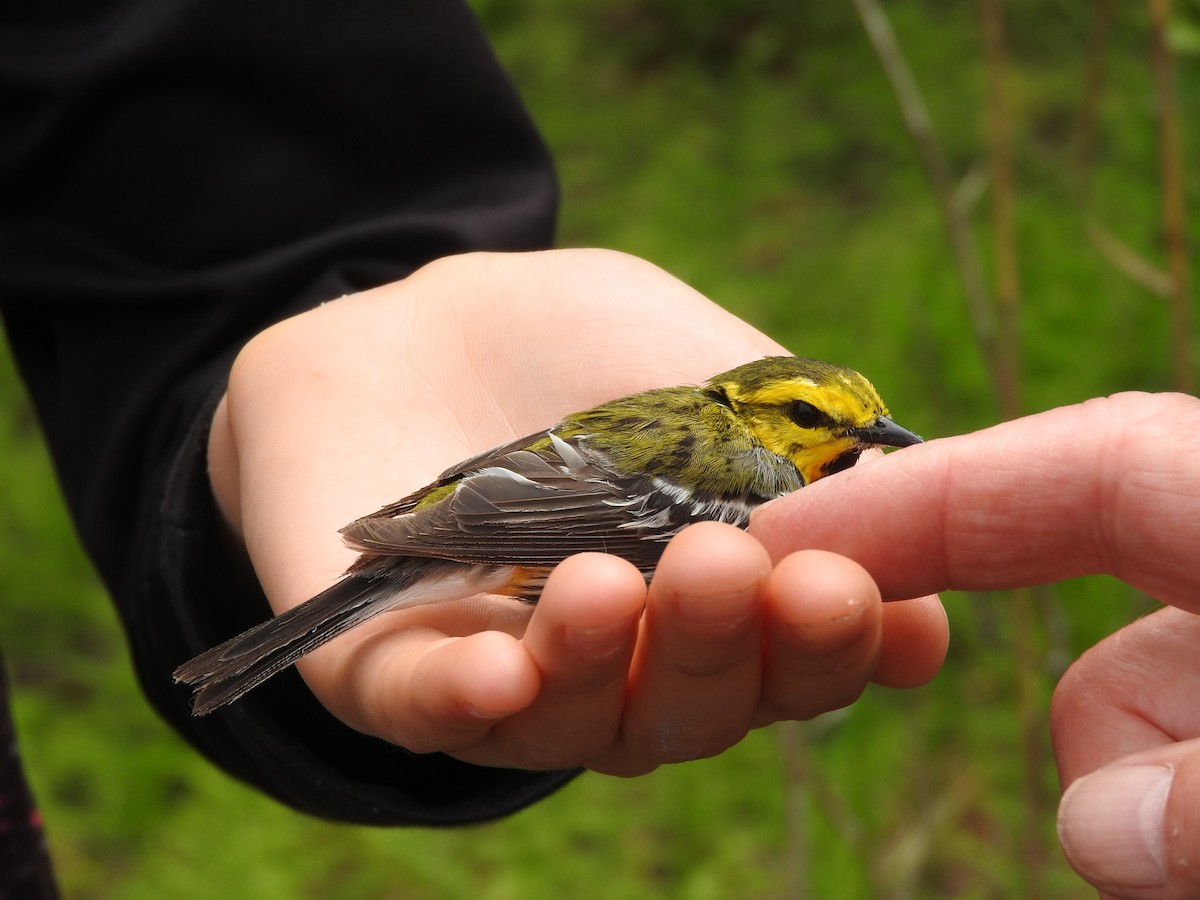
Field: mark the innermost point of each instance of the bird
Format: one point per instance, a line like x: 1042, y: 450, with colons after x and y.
x: 623, y: 477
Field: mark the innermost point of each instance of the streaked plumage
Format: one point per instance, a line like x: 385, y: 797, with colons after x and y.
x: 623, y: 478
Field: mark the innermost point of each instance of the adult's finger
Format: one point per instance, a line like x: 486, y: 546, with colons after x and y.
x: 1110, y: 485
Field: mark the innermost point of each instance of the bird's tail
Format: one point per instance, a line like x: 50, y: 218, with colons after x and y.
x: 226, y: 672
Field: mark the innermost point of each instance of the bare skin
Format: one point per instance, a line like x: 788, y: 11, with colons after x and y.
x: 1108, y: 486
x: 337, y: 411
x: 334, y: 412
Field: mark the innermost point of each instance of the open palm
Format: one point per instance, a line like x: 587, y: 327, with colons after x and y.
x: 336, y: 412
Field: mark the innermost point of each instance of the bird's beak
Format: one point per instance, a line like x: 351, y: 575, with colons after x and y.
x: 883, y: 432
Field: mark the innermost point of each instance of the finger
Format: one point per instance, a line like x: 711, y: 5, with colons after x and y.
x: 916, y: 635
x: 823, y: 635
x: 1102, y: 709
x: 426, y: 692
x: 581, y: 639
x: 696, y: 675
x: 1131, y: 760
x: 1096, y: 487
x: 1132, y: 828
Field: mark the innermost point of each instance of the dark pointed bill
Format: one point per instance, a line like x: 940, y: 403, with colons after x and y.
x: 883, y: 432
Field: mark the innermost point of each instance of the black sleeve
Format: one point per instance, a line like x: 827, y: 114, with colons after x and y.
x: 175, y: 175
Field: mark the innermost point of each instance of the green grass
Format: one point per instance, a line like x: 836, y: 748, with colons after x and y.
x: 754, y: 150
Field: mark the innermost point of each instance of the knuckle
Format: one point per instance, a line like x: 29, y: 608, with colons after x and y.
x: 675, y: 741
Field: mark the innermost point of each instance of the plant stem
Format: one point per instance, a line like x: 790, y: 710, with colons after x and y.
x: 793, y: 745
x: 1094, y: 83
x: 1007, y: 289
x: 1173, y: 222
x: 1026, y: 649
x: 920, y: 128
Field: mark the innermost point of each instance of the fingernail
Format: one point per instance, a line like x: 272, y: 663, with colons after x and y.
x: 600, y: 641
x: 476, y: 713
x: 1110, y: 825
x: 839, y: 628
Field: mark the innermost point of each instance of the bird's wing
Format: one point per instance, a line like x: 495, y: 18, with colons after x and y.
x: 494, y: 456
x: 535, y: 507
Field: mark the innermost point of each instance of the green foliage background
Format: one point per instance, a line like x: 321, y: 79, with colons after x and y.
x: 754, y: 149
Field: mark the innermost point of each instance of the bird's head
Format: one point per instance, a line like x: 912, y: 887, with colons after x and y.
x: 818, y: 415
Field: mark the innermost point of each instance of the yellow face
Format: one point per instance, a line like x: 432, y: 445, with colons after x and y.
x: 818, y: 415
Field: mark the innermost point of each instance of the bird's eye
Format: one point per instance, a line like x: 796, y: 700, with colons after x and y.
x: 805, y: 414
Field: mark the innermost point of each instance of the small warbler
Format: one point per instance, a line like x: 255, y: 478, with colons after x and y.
x: 623, y: 477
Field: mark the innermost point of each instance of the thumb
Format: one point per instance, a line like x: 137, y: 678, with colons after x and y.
x: 1130, y: 828
x: 1126, y: 731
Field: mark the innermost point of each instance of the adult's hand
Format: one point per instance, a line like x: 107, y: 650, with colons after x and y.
x: 333, y: 413
x: 1109, y: 486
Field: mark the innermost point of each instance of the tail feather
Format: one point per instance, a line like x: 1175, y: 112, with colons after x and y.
x: 226, y: 672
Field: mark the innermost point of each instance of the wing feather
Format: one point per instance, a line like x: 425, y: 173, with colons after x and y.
x: 535, y: 507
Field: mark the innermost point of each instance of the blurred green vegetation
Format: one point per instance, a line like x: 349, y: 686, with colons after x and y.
x: 754, y: 149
